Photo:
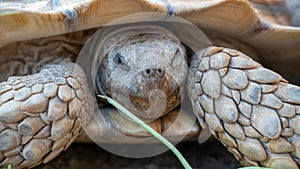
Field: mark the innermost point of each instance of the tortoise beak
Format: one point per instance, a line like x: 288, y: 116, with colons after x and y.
x: 154, y: 95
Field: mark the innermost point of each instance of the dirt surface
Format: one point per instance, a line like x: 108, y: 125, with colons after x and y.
x: 209, y: 155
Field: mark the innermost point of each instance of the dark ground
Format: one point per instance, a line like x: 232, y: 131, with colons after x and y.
x: 209, y: 155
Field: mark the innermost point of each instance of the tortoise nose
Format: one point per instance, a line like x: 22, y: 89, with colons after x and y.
x: 153, y: 73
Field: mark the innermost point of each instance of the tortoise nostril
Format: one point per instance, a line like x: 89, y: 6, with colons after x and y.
x: 147, y: 73
x: 160, y: 72
x: 153, y: 73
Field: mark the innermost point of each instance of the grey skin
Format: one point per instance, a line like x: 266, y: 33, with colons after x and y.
x: 144, y: 77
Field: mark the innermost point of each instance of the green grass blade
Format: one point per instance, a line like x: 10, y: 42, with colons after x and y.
x: 149, y: 129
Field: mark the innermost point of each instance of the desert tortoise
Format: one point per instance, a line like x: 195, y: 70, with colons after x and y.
x: 42, y: 111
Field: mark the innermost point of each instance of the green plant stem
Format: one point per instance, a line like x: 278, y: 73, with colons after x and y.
x: 149, y: 129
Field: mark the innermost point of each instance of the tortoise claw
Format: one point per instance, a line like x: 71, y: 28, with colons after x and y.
x: 253, y: 111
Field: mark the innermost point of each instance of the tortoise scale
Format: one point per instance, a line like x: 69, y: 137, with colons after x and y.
x: 253, y: 111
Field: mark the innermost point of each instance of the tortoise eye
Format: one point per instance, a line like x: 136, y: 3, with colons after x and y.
x: 120, y: 61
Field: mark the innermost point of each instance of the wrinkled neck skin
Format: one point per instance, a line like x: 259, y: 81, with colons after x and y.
x: 145, y: 73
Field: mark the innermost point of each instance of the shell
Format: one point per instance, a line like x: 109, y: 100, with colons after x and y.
x: 260, y: 30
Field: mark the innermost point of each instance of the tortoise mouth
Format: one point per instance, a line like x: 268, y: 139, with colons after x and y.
x: 140, y: 103
x: 151, y: 98
x: 156, y: 104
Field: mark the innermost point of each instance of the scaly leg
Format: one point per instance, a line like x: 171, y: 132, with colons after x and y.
x: 42, y: 114
x: 253, y: 111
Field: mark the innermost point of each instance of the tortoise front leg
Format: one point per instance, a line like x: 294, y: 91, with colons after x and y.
x: 42, y: 114
x: 253, y: 111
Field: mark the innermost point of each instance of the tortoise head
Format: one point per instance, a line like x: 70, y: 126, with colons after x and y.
x: 145, y: 74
